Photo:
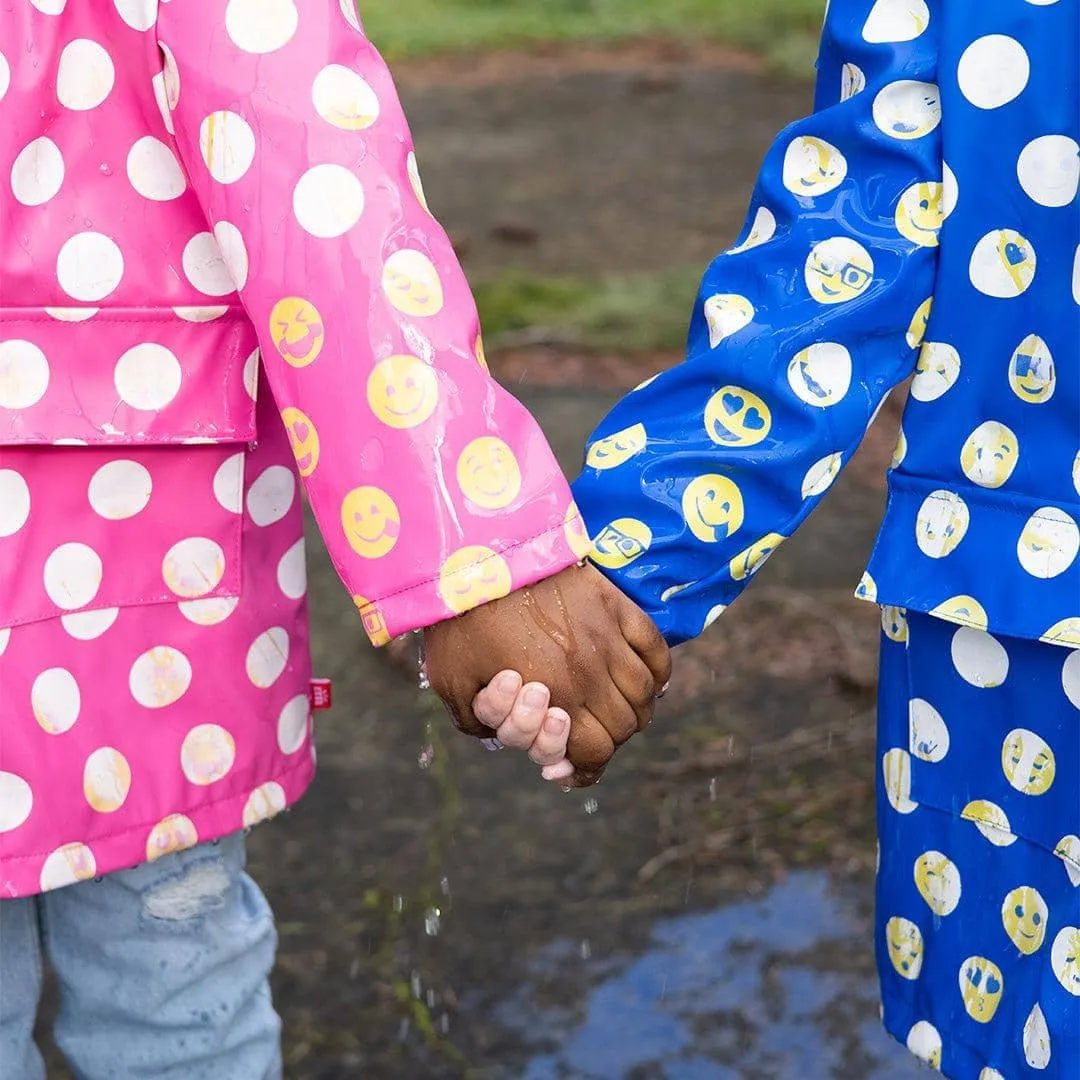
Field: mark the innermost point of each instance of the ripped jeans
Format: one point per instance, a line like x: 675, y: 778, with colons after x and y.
x: 163, y: 973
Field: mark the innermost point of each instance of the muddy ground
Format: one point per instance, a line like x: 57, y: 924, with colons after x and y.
x: 703, y: 913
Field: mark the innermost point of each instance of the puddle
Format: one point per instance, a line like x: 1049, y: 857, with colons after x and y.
x: 763, y: 989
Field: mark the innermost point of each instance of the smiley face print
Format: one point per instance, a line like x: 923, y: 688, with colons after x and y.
x: 402, y: 391
x: 473, y: 576
x: 1002, y: 264
x: 615, y: 450
x: 981, y: 987
x: 1028, y: 762
x: 905, y: 942
x: 937, y: 370
x: 1024, y: 914
x: 303, y: 438
x: 371, y: 522
x: 1049, y: 543
x: 813, y: 167
x: 736, y: 417
x: 488, y: 473
x: 820, y: 374
x: 920, y: 213
x: 621, y: 542
x: 1031, y: 371
x: 838, y: 270
x: 941, y: 524
x: 712, y: 507
x: 1065, y: 959
x: 296, y: 328
x: 747, y: 563
x: 907, y: 109
x: 990, y: 820
x: 990, y: 454
x: 896, y: 772
x: 938, y: 882
x: 919, y: 321
x: 726, y: 314
x: 411, y: 283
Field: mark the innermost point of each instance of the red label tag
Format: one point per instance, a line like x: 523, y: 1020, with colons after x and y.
x: 321, y: 694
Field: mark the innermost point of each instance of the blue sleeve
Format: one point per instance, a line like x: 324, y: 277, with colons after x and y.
x: 797, y: 335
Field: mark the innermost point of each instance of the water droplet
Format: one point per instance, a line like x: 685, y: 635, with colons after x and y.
x: 591, y: 806
x: 444, y: 1024
x: 712, y: 789
x: 426, y: 756
x: 430, y: 999
x: 431, y: 921
x: 586, y: 949
x: 567, y: 790
x: 398, y: 904
x: 444, y: 886
x: 416, y: 985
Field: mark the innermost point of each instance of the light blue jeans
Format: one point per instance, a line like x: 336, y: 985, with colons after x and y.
x: 163, y: 973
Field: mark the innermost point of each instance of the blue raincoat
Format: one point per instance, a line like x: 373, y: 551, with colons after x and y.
x: 923, y: 220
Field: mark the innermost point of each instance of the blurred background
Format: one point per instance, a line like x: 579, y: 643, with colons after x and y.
x: 705, y: 912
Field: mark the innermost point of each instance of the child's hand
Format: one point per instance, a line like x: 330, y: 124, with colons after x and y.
x: 521, y: 720
x: 602, y: 658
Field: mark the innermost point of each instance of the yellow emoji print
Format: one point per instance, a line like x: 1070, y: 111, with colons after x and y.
x: 990, y: 454
x: 488, y: 473
x: 373, y: 621
x: 938, y: 882
x: 615, y: 450
x: 1024, y: 914
x: 1028, y: 762
x: 747, y: 563
x: 473, y: 576
x: 712, y: 507
x: 963, y: 609
x: 411, y: 283
x: 981, y: 987
x: 990, y: 820
x: 296, y: 329
x: 726, y: 315
x: 919, y: 321
x: 303, y: 438
x: 736, y: 417
x: 371, y: 522
x: 621, y: 542
x: 838, y: 270
x: 402, y: 391
x: 1065, y: 959
x: 1032, y: 377
x: 905, y: 943
x: 920, y: 213
x: 812, y: 167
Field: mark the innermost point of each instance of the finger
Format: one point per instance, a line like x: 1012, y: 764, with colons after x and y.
x: 495, y: 702
x: 634, y: 680
x: 644, y: 637
x: 590, y: 746
x: 559, y: 772
x: 549, y: 746
x: 520, y: 729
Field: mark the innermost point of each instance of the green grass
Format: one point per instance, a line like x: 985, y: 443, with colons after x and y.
x: 784, y: 31
x: 628, y: 314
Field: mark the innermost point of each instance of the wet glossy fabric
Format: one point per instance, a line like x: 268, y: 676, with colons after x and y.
x: 924, y: 218
x: 219, y: 278
x: 978, y: 915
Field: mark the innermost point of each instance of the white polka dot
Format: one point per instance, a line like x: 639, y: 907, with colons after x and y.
x: 267, y: 657
x: 159, y: 677
x: 1037, y: 1050
x: 106, y: 780
x: 1070, y: 677
x: 207, y: 754
x: 154, y: 171
x: 271, y: 495
x: 1049, y: 170
x: 71, y: 314
x: 328, y: 201
x: 292, y: 725
x: 138, y: 14
x: 16, y: 801
x: 5, y: 76
x: 67, y: 865
x: 85, y: 75
x: 263, y: 803
x: 210, y: 611
x: 344, y: 99
x: 88, y: 625
x: 1002, y: 264
x: 936, y: 372
x: 201, y: 314
x: 251, y: 375
x: 38, y: 172
x: 896, y: 20
x: 193, y: 567
x: 229, y: 483
x: 5, y: 637
x: 907, y: 109
x: 292, y: 572
x: 166, y: 84
x: 72, y: 576
x: 230, y: 242
x: 993, y: 70
x: 89, y: 266
x: 928, y: 736
x: 821, y: 374
x: 261, y: 26
x: 348, y: 9
x: 228, y: 146
x: 979, y: 658
x: 55, y: 700
x: 120, y: 489
x: 14, y: 502
x: 950, y: 190
x: 1076, y: 277
x: 1049, y: 543
x: 820, y: 476
x: 24, y: 374
x: 1076, y: 473
x: 762, y: 230
x: 147, y: 377
x: 205, y: 268
x: 49, y: 7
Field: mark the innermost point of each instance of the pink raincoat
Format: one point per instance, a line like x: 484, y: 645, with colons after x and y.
x: 218, y: 274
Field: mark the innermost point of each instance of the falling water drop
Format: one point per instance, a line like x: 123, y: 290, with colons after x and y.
x: 586, y: 949
x: 591, y: 806
x: 431, y: 921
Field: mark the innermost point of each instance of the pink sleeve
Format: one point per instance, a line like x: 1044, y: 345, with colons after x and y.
x: 434, y: 489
